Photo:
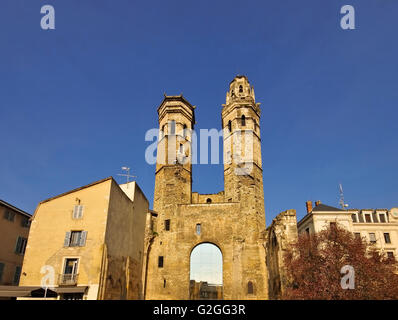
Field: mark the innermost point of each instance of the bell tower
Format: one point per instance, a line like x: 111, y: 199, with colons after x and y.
x: 173, y: 177
x: 243, y: 178
x: 233, y: 220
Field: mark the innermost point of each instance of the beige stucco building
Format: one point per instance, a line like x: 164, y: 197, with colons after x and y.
x: 378, y: 226
x: 14, y: 230
x: 88, y: 243
x: 232, y: 219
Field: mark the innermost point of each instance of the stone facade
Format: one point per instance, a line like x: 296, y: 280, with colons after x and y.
x: 233, y: 219
x: 279, y: 236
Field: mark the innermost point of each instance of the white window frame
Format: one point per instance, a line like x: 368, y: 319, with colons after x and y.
x: 356, y: 217
x: 385, y: 217
x: 64, y: 264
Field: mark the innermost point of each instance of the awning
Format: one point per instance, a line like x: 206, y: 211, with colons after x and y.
x: 31, y: 291
x: 79, y: 289
x: 16, y: 291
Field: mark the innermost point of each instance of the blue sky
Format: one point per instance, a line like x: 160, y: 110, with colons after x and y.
x: 75, y: 102
x: 206, y: 264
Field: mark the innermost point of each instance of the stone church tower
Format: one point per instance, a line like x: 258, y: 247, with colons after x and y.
x: 233, y: 219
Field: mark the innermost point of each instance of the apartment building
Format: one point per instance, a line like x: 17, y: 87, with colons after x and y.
x: 378, y: 226
x: 87, y: 243
x: 14, y: 231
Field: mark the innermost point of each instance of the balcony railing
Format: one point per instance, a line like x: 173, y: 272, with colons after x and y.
x: 68, y: 279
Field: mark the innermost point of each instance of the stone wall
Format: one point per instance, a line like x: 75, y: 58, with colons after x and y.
x: 233, y: 219
x: 279, y: 236
x: 221, y: 225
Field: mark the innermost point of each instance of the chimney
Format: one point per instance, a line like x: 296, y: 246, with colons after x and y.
x: 309, y: 206
x: 317, y: 203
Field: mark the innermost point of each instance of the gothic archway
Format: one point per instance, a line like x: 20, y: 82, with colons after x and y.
x: 206, y: 272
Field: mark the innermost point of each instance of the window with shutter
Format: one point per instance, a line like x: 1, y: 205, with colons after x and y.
x: 83, y: 238
x: 78, y: 212
x: 17, y: 275
x: 1, y: 271
x: 80, y: 215
x: 75, y: 209
x: 75, y: 238
x: 21, y: 245
x: 25, y: 222
x: 67, y: 239
x: 9, y: 215
x: 18, y: 245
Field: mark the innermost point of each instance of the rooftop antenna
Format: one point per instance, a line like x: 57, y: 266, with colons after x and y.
x: 127, y: 174
x: 342, y: 202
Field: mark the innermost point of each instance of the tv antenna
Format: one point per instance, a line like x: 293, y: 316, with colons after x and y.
x: 341, y: 201
x: 127, y: 174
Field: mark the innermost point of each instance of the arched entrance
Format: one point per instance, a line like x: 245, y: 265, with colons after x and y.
x: 206, y: 273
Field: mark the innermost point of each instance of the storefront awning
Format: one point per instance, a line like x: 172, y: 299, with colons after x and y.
x: 32, y: 291
x: 78, y: 289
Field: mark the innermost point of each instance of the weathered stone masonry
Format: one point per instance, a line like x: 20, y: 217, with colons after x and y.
x: 234, y: 219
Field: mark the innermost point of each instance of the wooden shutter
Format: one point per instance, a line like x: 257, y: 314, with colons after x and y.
x: 83, y: 238
x: 17, y: 275
x: 1, y: 270
x: 67, y: 239
x: 80, y: 213
x: 24, y: 242
x: 18, y: 245
x: 75, y: 209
